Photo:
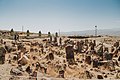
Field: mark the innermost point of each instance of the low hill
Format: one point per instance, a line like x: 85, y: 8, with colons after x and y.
x: 112, y: 32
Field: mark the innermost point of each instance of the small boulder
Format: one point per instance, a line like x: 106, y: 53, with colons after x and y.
x: 99, y: 77
x: 15, y: 72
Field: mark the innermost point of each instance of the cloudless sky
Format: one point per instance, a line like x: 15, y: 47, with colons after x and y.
x: 55, y: 15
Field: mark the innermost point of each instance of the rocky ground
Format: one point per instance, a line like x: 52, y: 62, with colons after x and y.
x: 45, y: 59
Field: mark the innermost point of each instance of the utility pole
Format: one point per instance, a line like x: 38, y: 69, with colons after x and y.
x: 59, y: 32
x: 22, y: 28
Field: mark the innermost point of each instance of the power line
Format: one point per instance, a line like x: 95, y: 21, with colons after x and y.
x: 22, y: 28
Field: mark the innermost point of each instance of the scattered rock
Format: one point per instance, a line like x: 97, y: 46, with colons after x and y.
x: 99, y: 77
x: 15, y: 72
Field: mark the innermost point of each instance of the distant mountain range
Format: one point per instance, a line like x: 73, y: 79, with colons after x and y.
x: 111, y: 32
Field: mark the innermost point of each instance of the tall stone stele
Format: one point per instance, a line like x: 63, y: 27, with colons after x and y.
x: 12, y: 32
x: 56, y: 34
x: 49, y: 34
x: 28, y: 33
x: 40, y: 33
x: 2, y: 54
x: 69, y: 54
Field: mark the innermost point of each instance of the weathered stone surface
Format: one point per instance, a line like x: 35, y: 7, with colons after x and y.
x: 15, y: 71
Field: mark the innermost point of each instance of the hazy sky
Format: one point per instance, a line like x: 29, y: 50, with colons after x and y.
x: 55, y: 15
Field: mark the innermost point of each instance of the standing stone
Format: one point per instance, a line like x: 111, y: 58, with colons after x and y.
x: 18, y: 37
x: 8, y: 48
x: 49, y: 34
x: 34, y: 75
x: 51, y: 56
x: 100, y: 51
x: 40, y: 33
x: 2, y: 55
x: 55, y: 39
x: 86, y: 42
x: 50, y: 38
x: 28, y: 70
x: 56, y: 34
x: 95, y: 63
x: 1, y: 41
x: 107, y: 56
x: 88, y: 75
x: 11, y: 32
x: 88, y: 60
x: 60, y: 41
x: 37, y: 65
x: 111, y: 65
x: 116, y: 44
x: 115, y: 52
x: 24, y: 60
x: 118, y: 74
x: 119, y: 58
x: 28, y: 33
x: 106, y: 49
x: 69, y: 53
x: 20, y: 46
x: 112, y: 48
x: 90, y: 43
x: 42, y: 50
x: 94, y: 42
x: 61, y: 73
x: 15, y: 37
x: 92, y: 47
x: 79, y: 45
